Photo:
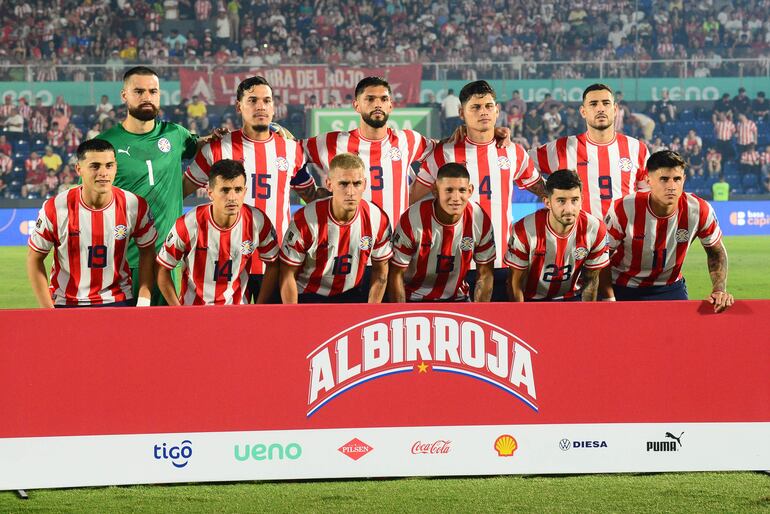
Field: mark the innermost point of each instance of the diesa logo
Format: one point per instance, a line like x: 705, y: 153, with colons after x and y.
x: 178, y: 455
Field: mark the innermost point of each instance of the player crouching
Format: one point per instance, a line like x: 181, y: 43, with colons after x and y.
x: 549, y: 249
x: 216, y: 242
x: 437, y: 239
x: 89, y: 228
x: 326, y: 248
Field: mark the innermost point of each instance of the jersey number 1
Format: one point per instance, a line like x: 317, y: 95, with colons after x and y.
x: 150, y: 174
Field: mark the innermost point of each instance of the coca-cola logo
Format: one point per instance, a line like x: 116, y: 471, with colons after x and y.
x: 441, y: 446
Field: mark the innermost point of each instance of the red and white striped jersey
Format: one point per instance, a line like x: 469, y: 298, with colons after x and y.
x: 494, y: 171
x: 55, y: 137
x: 90, y: 265
x: 747, y: 133
x: 333, y: 255
x: 272, y: 168
x: 438, y: 256
x: 650, y: 251
x: 607, y: 171
x: 555, y: 262
x: 217, y: 260
x: 388, y: 161
x: 724, y: 130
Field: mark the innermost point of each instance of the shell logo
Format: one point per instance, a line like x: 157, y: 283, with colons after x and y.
x: 506, y: 445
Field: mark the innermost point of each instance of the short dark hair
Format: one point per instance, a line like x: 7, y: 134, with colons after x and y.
x: 598, y: 87
x: 370, y: 82
x: 665, y: 159
x: 139, y: 70
x: 93, y: 145
x: 228, y: 169
x: 250, y: 83
x: 478, y: 87
x: 562, y: 179
x: 453, y: 170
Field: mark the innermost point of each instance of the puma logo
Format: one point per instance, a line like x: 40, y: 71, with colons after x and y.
x: 120, y: 150
x: 677, y: 439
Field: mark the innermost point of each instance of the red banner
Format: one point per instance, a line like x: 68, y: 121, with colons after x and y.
x: 296, y: 84
x: 204, y: 369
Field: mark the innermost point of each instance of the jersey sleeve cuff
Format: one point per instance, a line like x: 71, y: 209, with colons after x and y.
x: 385, y: 258
x: 288, y: 260
x: 148, y: 243
x: 163, y: 263
x: 310, y: 182
x: 423, y: 181
x: 192, y: 178
x: 719, y: 240
x: 513, y: 265
x: 398, y: 264
x: 35, y: 248
x: 485, y: 261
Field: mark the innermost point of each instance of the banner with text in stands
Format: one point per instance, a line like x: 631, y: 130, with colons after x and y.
x: 247, y: 392
x: 295, y: 84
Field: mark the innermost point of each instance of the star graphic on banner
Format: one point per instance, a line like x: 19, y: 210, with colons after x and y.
x: 422, y: 368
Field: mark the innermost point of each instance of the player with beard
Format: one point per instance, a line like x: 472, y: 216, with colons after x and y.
x: 609, y: 165
x: 149, y: 157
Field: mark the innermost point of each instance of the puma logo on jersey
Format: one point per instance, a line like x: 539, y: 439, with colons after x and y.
x: 120, y: 150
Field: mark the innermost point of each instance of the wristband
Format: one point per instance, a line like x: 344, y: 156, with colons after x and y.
x: 610, y: 299
x: 142, y: 302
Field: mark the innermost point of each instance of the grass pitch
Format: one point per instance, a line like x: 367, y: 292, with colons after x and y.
x: 749, y: 278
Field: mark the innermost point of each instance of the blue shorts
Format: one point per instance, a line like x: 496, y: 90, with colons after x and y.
x: 355, y: 295
x: 576, y: 298
x: 675, y: 291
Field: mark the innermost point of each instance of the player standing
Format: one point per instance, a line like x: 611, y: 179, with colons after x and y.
x: 436, y: 240
x: 149, y: 155
x: 494, y: 171
x: 273, y: 165
x: 651, y: 231
x: 90, y: 227
x: 326, y: 248
x: 217, y: 242
x: 549, y: 250
x: 609, y: 165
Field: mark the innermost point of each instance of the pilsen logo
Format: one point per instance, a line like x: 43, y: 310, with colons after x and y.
x: 406, y: 342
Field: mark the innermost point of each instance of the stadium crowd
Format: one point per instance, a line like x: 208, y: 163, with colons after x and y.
x: 517, y: 32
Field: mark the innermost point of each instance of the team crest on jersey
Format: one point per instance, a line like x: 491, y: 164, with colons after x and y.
x: 580, y: 253
x: 164, y: 145
x: 169, y: 237
x: 39, y: 223
x: 503, y: 163
x: 121, y: 231
x: 282, y: 164
x: 466, y: 244
x: 682, y: 235
x: 626, y: 164
x: 247, y: 247
x: 366, y: 243
x: 395, y: 154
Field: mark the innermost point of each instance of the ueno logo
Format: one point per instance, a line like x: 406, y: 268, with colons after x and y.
x: 260, y: 451
x: 440, y: 446
x: 395, y: 343
x: 178, y: 455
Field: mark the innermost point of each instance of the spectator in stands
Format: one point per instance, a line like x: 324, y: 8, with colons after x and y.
x: 657, y: 145
x: 24, y: 109
x: 721, y: 190
x: 3, y: 188
x: 55, y: 137
x: 63, y: 106
x: 312, y: 103
x: 5, y: 146
x: 697, y: 163
x: 533, y: 126
x: 746, y: 132
x: 516, y: 121
x: 692, y: 142
x: 760, y: 107
x: 450, y: 112
x: 94, y: 131
x: 644, y: 123
x: 516, y: 101
x: 104, y: 108
x: 51, y: 183
x: 664, y: 109
x: 39, y: 107
x: 72, y: 138
x: 281, y: 111
x: 67, y: 182
x: 51, y: 160
x: 6, y: 108
x: 34, y: 182
x: 741, y: 103
x: 751, y: 161
x: 764, y: 159
x: 60, y: 117
x: 14, y: 124
x: 196, y: 112
x: 552, y: 122
x: 714, y: 162
x: 38, y: 125
x: 6, y: 162
x: 722, y: 106
x: 623, y: 112
x: 724, y: 130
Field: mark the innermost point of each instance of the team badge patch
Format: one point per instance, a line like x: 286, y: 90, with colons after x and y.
x: 682, y: 235
x: 395, y: 154
x: 169, y: 237
x: 466, y: 244
x: 164, y: 145
x: 282, y: 164
x: 626, y: 164
x: 503, y: 163
x: 121, y: 232
x: 247, y: 247
x: 39, y: 223
x: 580, y: 253
x: 366, y: 243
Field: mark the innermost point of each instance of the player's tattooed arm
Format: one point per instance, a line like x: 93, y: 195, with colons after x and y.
x: 216, y: 134
x: 716, y: 257
x: 308, y: 194
x: 484, y: 282
x: 396, y: 289
x: 591, y: 285
x: 379, y: 281
x: 605, y: 285
x: 538, y: 189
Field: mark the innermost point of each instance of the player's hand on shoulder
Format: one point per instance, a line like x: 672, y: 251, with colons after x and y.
x: 503, y: 137
x: 721, y: 300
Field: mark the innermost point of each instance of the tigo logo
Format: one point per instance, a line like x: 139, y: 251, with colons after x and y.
x: 355, y: 449
x: 506, y: 445
x: 178, y: 455
x: 275, y: 451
